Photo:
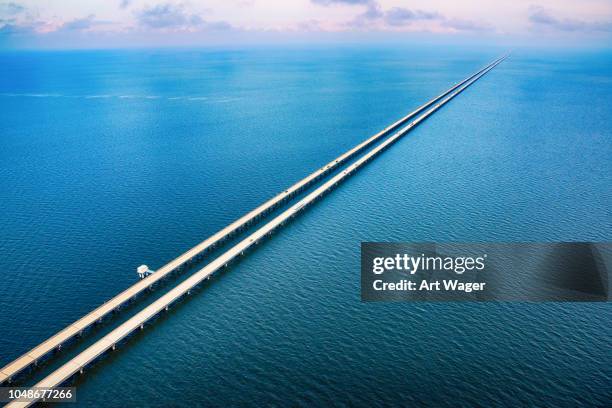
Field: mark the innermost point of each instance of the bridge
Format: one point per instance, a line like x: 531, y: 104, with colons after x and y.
x: 136, y: 322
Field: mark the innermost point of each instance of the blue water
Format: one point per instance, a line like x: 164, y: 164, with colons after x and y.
x: 110, y: 159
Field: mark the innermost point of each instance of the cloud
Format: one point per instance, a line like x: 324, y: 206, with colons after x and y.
x: 11, y: 8
x: 218, y: 25
x: 398, y: 16
x: 123, y: 4
x: 12, y: 29
x: 166, y: 16
x: 15, y: 21
x: 309, y: 25
x: 467, y: 25
x: 540, y: 17
x: 80, y: 23
x: 175, y: 17
x: 372, y: 12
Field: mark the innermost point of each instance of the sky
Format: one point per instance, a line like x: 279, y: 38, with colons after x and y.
x: 138, y: 23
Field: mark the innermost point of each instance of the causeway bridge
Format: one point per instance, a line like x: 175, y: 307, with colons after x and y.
x: 137, y: 322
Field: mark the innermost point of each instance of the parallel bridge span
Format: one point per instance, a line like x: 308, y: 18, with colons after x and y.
x: 109, y: 341
x: 55, y: 342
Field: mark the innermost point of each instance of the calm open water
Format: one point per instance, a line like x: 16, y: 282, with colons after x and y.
x: 116, y: 158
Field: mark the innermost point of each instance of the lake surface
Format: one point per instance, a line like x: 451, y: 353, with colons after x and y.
x: 111, y: 159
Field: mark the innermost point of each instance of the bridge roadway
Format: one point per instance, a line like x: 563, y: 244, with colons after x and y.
x: 109, y: 341
x: 73, y: 330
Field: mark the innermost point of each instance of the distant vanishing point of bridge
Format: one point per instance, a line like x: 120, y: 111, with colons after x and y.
x: 379, y: 142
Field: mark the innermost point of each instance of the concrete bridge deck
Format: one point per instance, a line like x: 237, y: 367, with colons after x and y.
x: 73, y: 330
x: 109, y: 341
